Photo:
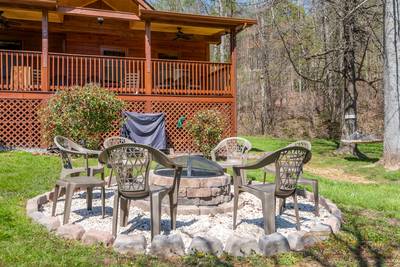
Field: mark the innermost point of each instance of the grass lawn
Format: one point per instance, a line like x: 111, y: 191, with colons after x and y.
x: 368, y: 196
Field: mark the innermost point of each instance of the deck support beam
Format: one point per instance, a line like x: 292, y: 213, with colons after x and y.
x: 147, y: 73
x: 234, y: 76
x: 45, y: 50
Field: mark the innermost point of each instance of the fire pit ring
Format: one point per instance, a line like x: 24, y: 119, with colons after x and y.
x: 203, y: 182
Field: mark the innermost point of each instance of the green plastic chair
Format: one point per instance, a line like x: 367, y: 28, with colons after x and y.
x: 112, y: 141
x: 72, y: 178
x: 231, y: 151
x: 131, y: 165
x: 288, y: 163
x: 302, y: 180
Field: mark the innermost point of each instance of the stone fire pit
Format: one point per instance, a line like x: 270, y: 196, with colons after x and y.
x: 203, y: 182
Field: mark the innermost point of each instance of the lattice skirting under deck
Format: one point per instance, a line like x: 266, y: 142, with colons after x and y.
x: 19, y: 126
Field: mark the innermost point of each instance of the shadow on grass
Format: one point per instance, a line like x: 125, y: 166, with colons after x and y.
x: 254, y: 149
x: 143, y: 223
x: 4, y: 148
x: 369, y: 160
x: 358, y: 247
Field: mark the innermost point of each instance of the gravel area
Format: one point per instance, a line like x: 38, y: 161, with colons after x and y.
x: 188, y: 226
x: 29, y: 150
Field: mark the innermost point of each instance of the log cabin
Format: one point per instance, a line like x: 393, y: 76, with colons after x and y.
x: 156, y: 61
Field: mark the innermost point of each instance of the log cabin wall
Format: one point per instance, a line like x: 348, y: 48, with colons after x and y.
x: 32, y: 40
x: 91, y: 44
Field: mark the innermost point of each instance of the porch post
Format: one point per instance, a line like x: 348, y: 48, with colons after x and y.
x: 45, y: 50
x: 233, y: 77
x: 147, y: 73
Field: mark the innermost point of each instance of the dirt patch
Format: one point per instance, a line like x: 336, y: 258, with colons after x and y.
x: 394, y: 222
x: 338, y: 175
x: 370, y: 214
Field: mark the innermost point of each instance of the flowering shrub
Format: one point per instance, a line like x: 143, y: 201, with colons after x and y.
x: 81, y: 113
x: 206, y: 128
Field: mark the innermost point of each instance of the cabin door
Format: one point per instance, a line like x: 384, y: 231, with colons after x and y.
x: 114, y: 65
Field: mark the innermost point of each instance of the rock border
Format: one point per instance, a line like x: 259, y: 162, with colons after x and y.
x: 172, y: 245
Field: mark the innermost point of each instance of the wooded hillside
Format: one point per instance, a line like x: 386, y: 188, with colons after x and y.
x: 309, y: 68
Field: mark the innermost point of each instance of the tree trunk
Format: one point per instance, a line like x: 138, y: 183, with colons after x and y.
x: 350, y: 95
x: 391, y: 154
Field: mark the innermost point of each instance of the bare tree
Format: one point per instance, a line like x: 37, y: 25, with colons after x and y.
x: 391, y: 156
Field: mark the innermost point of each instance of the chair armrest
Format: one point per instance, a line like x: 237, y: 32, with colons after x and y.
x: 92, y: 152
x: 213, y: 155
x: 173, y: 165
x: 163, y: 159
x: 73, y: 152
x: 264, y: 161
x: 74, y: 171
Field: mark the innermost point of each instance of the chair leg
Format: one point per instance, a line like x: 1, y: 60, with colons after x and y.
x: 316, y: 197
x: 103, y: 201
x: 89, y: 197
x: 243, y: 174
x: 268, y: 207
x: 124, y: 208
x: 55, y: 199
x: 68, y: 202
x: 173, y: 208
x: 62, y: 192
x: 296, y: 211
x: 115, y: 214
x: 110, y: 178
x: 281, y: 205
x: 235, y: 207
x: 155, y: 214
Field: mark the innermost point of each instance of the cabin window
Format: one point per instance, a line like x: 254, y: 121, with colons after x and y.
x: 11, y: 45
x: 167, y: 56
x: 113, y: 53
x: 170, y: 72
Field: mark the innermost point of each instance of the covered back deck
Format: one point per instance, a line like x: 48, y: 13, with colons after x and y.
x: 21, y: 71
x: 156, y: 61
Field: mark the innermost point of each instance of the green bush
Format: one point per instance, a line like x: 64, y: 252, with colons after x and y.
x: 206, y: 128
x: 82, y: 114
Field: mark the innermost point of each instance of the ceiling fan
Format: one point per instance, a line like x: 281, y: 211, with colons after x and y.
x: 180, y: 35
x: 5, y: 23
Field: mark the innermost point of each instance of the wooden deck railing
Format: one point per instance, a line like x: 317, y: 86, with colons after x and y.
x: 120, y: 74
x: 178, y: 77
x: 22, y: 71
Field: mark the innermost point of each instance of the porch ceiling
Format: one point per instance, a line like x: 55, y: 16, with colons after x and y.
x: 31, y: 15
x: 134, y: 11
x: 31, y: 4
x: 172, y: 28
x: 117, y: 5
x: 207, y: 23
